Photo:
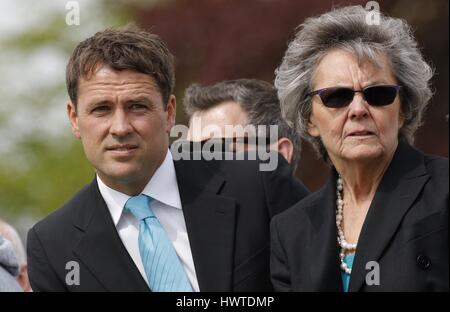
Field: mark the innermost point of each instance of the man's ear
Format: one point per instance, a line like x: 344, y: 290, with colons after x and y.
x: 171, y: 112
x: 73, y: 118
x: 286, y: 148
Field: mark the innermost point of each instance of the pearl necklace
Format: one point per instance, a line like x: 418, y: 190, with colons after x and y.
x: 341, y: 238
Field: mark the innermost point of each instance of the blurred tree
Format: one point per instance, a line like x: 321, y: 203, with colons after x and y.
x: 51, y: 176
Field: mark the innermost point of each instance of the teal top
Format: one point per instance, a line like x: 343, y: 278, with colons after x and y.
x: 348, y: 259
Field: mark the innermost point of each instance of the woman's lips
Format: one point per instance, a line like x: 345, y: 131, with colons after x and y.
x: 360, y: 134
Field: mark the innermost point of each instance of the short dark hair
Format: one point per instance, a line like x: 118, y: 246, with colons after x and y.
x: 122, y: 48
x: 257, y: 98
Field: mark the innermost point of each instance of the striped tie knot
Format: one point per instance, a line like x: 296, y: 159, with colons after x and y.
x: 139, y: 206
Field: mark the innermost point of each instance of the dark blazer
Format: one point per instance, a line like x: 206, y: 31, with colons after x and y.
x: 227, y: 207
x: 405, y: 231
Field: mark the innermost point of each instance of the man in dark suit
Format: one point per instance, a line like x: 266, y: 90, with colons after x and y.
x: 147, y: 222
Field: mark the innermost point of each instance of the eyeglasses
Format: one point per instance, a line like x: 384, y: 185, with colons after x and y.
x: 378, y: 95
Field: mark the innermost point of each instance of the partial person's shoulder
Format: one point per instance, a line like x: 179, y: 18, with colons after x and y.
x: 9, y: 267
x: 7, y: 282
x: 437, y: 165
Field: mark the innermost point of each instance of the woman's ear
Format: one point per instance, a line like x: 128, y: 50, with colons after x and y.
x: 312, y: 128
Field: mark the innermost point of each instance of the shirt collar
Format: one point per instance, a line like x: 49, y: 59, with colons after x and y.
x: 162, y: 187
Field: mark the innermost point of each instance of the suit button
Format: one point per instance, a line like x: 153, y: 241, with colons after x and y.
x: 423, y: 261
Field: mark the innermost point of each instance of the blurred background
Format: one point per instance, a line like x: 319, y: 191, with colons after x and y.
x: 42, y: 165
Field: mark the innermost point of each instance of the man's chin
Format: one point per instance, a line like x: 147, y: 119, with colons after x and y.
x: 120, y: 174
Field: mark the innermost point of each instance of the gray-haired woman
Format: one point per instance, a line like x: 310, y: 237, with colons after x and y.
x: 357, y: 92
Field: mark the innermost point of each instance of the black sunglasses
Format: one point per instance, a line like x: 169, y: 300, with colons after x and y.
x: 378, y: 95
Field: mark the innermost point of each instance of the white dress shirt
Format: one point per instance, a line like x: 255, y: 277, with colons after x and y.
x: 163, y: 188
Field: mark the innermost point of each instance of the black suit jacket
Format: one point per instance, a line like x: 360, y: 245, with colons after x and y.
x: 405, y: 231
x: 227, y: 207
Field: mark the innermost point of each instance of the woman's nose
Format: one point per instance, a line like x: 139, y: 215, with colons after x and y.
x: 358, y: 108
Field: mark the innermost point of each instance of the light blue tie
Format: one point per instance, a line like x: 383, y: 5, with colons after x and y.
x: 162, y: 266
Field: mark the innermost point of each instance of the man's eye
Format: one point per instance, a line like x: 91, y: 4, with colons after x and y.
x: 100, y: 109
x: 138, y: 106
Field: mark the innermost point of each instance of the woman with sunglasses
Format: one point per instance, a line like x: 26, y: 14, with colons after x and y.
x: 357, y: 92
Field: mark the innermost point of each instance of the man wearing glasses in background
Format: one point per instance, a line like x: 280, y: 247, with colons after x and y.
x: 236, y: 103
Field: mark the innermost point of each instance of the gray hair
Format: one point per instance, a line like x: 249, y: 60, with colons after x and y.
x: 10, y: 233
x: 346, y: 29
x: 257, y: 98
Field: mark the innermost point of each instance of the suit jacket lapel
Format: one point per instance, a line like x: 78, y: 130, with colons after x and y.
x: 101, y: 250
x: 324, y: 250
x: 210, y: 223
x: 399, y: 187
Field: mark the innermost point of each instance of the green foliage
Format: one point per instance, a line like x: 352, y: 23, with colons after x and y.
x: 49, y: 176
